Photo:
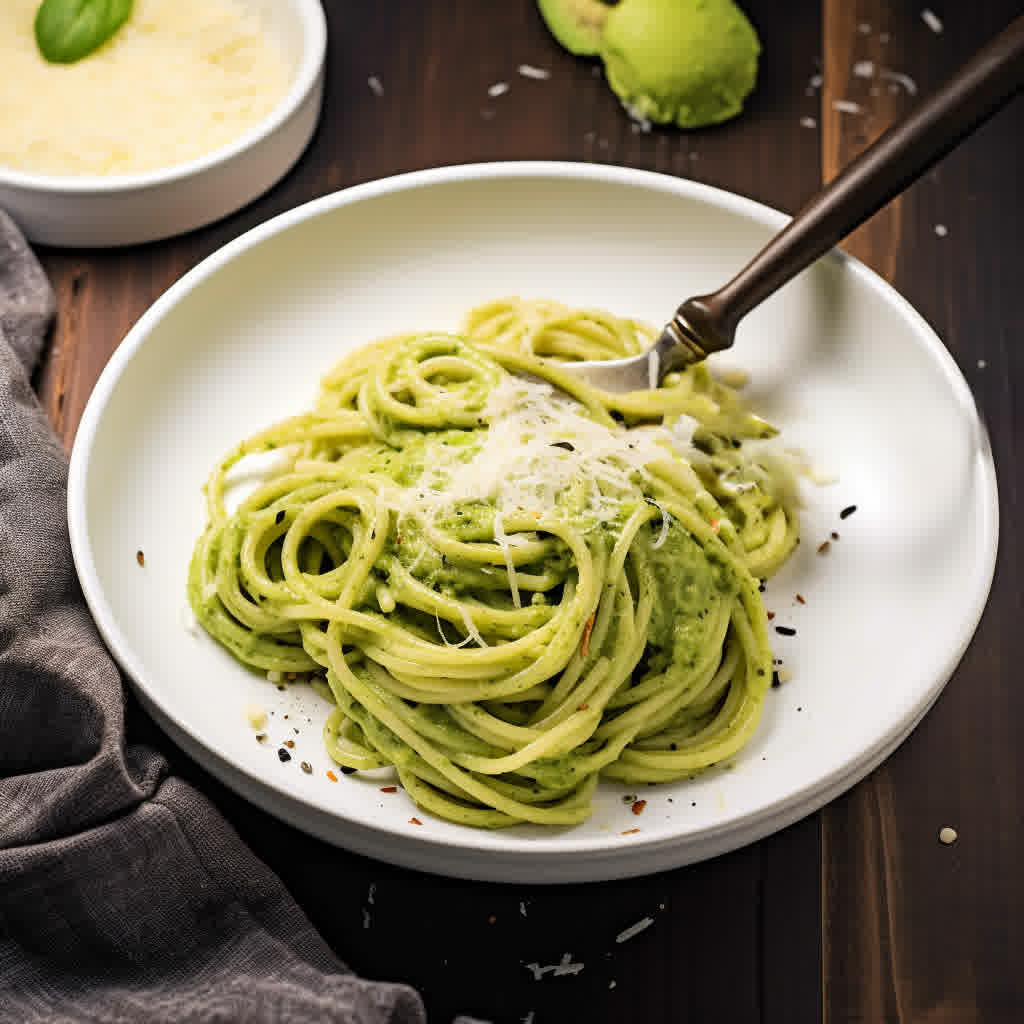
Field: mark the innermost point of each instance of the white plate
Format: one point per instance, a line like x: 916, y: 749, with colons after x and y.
x: 849, y: 370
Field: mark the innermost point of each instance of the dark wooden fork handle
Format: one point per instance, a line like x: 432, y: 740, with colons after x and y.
x: 990, y: 79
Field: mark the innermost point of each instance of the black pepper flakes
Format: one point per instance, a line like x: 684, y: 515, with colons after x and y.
x: 345, y: 770
x: 824, y: 547
x: 848, y: 511
x: 279, y: 518
x: 307, y: 767
x: 834, y: 535
x: 785, y: 630
x: 283, y: 755
x: 776, y: 682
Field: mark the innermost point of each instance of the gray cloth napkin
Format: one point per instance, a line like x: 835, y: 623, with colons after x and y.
x: 124, y: 896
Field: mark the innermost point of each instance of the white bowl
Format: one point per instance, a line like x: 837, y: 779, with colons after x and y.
x: 843, y: 364
x: 125, y: 209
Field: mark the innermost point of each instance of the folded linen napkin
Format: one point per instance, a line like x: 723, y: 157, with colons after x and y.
x: 124, y: 895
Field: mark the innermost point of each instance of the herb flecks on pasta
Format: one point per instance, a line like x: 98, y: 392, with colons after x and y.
x: 508, y: 583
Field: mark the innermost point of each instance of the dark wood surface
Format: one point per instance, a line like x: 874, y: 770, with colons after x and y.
x: 857, y: 913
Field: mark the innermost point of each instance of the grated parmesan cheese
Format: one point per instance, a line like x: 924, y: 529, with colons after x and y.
x: 181, y: 78
x: 900, y: 79
x: 537, y: 446
x: 529, y: 71
x: 565, y: 966
x: 634, y: 929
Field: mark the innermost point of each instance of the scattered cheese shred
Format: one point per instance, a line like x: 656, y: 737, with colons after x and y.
x: 565, y: 966
x: 900, y: 79
x: 634, y: 929
x: 529, y: 71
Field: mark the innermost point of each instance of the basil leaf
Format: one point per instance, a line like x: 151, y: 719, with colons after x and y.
x: 68, y: 30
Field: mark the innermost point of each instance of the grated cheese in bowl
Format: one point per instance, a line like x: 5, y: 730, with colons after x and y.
x: 180, y: 79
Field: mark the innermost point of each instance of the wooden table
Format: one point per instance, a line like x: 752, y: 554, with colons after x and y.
x: 857, y: 913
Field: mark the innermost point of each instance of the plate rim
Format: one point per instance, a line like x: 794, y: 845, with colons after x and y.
x: 755, y: 824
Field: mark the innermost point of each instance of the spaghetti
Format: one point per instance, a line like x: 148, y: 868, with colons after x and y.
x: 508, y: 583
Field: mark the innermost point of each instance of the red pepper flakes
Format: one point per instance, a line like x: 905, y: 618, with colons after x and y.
x: 587, y: 630
x: 638, y: 806
x: 389, y: 789
x: 824, y: 547
x: 140, y: 558
x: 716, y: 525
x: 290, y: 744
x: 415, y: 821
x: 629, y: 831
x: 800, y: 598
x: 771, y: 615
x: 332, y: 776
x: 582, y: 707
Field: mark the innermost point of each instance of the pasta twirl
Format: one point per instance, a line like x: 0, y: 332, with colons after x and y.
x: 508, y: 583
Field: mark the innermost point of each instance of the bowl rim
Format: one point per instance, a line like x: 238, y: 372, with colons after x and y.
x: 313, y: 25
x: 536, y: 851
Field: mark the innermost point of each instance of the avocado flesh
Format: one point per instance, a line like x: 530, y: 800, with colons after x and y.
x: 576, y: 24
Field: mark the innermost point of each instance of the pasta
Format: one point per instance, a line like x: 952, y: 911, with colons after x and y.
x: 508, y: 583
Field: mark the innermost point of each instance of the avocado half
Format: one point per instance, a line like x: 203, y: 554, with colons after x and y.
x: 577, y: 24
